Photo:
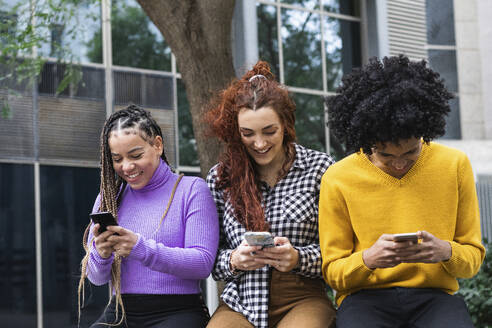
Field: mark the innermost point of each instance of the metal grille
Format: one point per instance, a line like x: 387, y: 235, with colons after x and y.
x: 16, y: 126
x: 70, y: 128
x: 407, y: 31
x: 165, y: 119
x: 51, y: 76
x: 91, y: 85
x: 147, y: 90
x: 484, y: 192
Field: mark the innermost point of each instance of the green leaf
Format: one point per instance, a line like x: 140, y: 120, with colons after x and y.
x: 6, y: 112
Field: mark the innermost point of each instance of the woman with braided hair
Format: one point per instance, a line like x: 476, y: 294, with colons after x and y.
x: 264, y: 181
x: 156, y: 256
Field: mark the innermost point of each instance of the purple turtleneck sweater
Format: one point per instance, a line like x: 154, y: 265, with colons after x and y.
x: 174, y: 259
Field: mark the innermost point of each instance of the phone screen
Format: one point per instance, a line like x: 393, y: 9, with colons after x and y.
x: 263, y: 239
x: 104, y: 219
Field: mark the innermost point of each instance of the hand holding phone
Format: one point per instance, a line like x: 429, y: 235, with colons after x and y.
x: 263, y: 239
x: 104, y: 219
x: 412, y: 236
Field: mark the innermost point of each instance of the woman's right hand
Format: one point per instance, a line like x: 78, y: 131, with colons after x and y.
x: 242, y: 258
x: 104, y: 247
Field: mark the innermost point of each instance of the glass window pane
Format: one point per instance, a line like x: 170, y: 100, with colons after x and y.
x: 188, y: 155
x: 67, y: 197
x: 17, y: 246
x: 346, y: 7
x: 136, y: 40
x: 440, y: 22
x: 9, y: 4
x: 301, y: 42
x: 268, y: 36
x: 444, y: 62
x: 310, y: 118
x: 342, y: 47
x: 73, y: 33
x: 14, y: 19
x: 308, y: 4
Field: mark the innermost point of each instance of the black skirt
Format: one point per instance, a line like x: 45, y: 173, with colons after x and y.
x: 157, y: 311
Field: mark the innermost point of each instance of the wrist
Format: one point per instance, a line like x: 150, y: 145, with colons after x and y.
x: 366, y: 260
x: 297, y: 259
x: 448, y: 251
x: 232, y: 266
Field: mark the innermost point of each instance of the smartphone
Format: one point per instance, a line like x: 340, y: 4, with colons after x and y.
x: 412, y: 236
x: 104, y: 219
x: 263, y: 239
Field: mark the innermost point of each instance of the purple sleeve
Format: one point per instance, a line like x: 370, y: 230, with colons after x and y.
x: 196, y: 258
x: 98, y: 268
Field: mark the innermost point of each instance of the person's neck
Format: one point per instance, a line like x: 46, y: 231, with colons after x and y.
x: 271, y: 173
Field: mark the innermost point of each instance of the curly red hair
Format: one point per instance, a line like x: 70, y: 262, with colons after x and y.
x: 237, y: 174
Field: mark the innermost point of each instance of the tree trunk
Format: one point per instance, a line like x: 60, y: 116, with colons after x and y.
x: 199, y: 34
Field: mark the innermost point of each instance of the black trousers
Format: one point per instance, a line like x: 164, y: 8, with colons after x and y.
x: 157, y: 311
x: 403, y: 308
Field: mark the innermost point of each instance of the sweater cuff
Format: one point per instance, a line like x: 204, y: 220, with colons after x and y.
x: 454, y: 260
x: 138, y: 251
x: 98, y: 258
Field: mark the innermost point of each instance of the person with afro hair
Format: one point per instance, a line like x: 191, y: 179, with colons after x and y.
x: 396, y: 182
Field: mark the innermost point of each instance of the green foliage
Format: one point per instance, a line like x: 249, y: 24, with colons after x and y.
x: 6, y: 113
x: 27, y: 29
x: 18, y: 39
x: 477, y: 292
x: 135, y: 41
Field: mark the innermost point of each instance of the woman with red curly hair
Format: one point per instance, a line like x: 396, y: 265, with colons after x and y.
x: 264, y: 181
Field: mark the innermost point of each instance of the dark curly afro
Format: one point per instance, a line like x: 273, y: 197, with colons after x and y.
x: 388, y: 101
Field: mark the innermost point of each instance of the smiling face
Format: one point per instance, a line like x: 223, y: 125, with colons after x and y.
x: 262, y: 133
x: 134, y: 159
x: 396, y: 159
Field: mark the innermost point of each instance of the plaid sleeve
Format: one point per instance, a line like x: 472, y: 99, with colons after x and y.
x: 222, y: 269
x: 309, y: 261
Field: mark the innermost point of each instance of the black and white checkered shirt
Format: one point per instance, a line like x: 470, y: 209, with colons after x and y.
x: 291, y: 209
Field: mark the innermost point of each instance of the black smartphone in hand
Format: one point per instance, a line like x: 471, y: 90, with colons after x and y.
x: 104, y: 219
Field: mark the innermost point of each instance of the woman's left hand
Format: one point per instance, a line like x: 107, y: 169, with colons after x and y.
x: 124, y: 241
x: 283, y: 257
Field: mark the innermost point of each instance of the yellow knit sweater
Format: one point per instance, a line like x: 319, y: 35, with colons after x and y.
x: 359, y: 202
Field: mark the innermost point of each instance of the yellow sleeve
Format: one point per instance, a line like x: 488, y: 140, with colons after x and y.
x: 342, y: 268
x: 467, y: 251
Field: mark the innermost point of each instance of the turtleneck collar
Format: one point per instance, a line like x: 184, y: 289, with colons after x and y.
x: 159, y: 178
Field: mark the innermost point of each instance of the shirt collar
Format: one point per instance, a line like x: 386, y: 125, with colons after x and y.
x: 300, y: 159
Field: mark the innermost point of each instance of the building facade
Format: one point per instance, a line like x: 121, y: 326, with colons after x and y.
x: 49, y: 142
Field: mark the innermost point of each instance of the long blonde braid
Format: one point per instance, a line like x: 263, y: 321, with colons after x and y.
x: 109, y: 187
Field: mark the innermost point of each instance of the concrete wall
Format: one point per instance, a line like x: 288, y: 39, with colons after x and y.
x: 479, y: 152
x: 471, y: 59
x: 473, y: 28
x: 485, y: 41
